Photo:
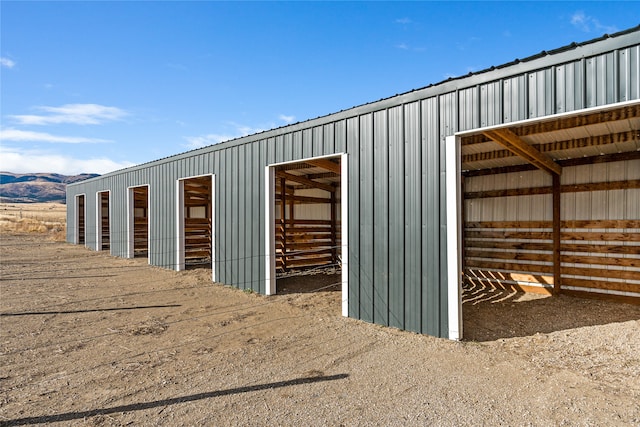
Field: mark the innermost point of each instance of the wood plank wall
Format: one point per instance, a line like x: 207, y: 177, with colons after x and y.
x: 597, y: 256
x: 141, y: 221
x: 197, y: 222
x: 104, y: 217
x: 307, y: 229
x: 304, y: 243
x: 81, y: 220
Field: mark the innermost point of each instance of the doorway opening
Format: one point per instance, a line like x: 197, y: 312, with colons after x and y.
x: 139, y: 221
x: 307, y: 220
x: 80, y: 220
x: 103, y: 241
x: 540, y: 212
x: 195, y: 222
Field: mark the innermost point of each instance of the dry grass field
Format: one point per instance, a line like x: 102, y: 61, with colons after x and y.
x: 87, y: 339
x: 47, y: 219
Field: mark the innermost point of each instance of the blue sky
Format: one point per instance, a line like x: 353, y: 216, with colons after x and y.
x: 97, y: 86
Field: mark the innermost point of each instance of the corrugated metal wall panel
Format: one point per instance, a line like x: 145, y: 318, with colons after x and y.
x: 601, y: 79
x: 629, y: 76
x: 341, y: 137
x: 515, y: 99
x: 490, y: 104
x: 366, y: 218
x: 396, y: 217
x: 413, y: 217
x: 541, y: 93
x: 307, y: 143
x: 328, y: 143
x: 259, y: 209
x: 381, y: 218
x: 430, y: 195
x: 469, y: 113
x: 569, y: 81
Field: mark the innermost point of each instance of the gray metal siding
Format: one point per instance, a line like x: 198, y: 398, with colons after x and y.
x: 396, y: 169
x: 381, y: 218
x: 396, y: 218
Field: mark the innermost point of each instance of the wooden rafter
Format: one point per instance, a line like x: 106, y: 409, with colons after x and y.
x: 603, y: 158
x: 592, y: 141
x: 305, y: 181
x: 325, y: 164
x: 624, y: 113
x: 513, y: 143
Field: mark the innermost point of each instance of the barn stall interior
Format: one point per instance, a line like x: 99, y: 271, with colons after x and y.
x: 139, y: 217
x: 103, y: 241
x: 80, y: 220
x: 553, y: 206
x: 196, y: 215
x: 307, y: 225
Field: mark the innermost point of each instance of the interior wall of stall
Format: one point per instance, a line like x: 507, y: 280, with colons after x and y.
x: 508, y: 230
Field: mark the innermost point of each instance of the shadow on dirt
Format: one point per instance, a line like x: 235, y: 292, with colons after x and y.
x: 490, y: 314
x: 310, y: 283
x: 89, y: 310
x: 166, y: 402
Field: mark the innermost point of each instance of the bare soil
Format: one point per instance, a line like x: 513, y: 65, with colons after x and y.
x: 90, y: 339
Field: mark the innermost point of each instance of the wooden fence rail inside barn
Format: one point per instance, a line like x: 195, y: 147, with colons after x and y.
x: 303, y: 243
x: 595, y: 255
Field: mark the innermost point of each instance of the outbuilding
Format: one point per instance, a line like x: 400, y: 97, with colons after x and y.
x: 522, y: 176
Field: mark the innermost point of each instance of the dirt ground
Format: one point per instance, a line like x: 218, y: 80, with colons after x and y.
x: 89, y: 339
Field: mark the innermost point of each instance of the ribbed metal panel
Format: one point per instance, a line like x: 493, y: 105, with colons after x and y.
x: 396, y: 201
x: 396, y: 217
x: 515, y: 98
x: 412, y: 218
x: 629, y: 77
x: 490, y: 106
x: 366, y: 218
x: 381, y: 218
x: 430, y: 199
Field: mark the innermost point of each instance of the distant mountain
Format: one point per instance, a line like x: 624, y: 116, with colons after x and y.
x: 36, y: 187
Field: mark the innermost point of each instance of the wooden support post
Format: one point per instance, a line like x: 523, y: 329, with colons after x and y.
x: 556, y: 235
x: 334, y: 220
x: 283, y: 221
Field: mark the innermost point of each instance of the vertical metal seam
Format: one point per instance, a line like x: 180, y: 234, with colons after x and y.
x: 388, y: 219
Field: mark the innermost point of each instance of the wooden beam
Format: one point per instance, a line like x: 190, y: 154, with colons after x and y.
x: 569, y: 144
x: 306, y: 199
x: 325, y: 164
x: 567, y: 188
x: 305, y: 181
x: 579, y: 161
x: 513, y: 143
x: 624, y: 113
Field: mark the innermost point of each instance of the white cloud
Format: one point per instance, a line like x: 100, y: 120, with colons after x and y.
x: 588, y: 23
x: 32, y: 161
x: 29, y: 136
x: 403, y: 46
x: 7, y: 63
x: 79, y: 114
x: 403, y: 21
x: 239, y: 130
x: 194, y: 142
x: 287, y: 119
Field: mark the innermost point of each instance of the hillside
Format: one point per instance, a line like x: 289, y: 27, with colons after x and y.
x: 36, y: 187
